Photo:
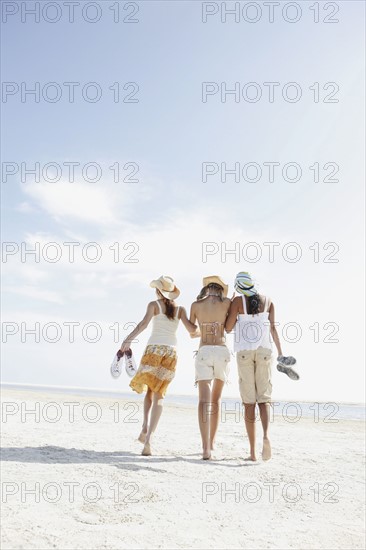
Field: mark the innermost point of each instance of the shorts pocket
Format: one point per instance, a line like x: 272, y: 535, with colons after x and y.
x: 264, y: 356
x: 202, y: 355
x: 243, y: 359
x: 201, y: 358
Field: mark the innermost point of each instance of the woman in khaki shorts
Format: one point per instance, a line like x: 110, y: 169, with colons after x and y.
x: 254, y: 320
x: 212, y: 359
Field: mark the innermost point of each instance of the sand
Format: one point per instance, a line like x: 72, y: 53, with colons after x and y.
x: 92, y: 488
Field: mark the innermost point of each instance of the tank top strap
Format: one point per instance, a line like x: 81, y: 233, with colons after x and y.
x: 159, y: 306
x: 244, y: 304
x: 177, y: 313
x: 265, y: 303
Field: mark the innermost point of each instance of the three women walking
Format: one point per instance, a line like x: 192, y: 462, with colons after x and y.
x: 211, y: 315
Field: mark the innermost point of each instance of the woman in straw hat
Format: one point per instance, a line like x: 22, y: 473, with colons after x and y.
x: 253, y: 316
x: 157, y: 367
x: 212, y: 359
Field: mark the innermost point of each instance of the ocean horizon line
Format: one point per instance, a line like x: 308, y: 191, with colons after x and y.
x: 91, y: 389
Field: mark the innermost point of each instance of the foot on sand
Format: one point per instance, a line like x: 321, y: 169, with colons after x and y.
x: 206, y: 455
x: 142, y: 437
x: 250, y: 459
x: 266, y: 451
x: 146, y: 451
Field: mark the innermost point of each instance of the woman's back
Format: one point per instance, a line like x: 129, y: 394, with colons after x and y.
x: 262, y: 305
x: 211, y: 313
x: 252, y: 330
x: 164, y: 329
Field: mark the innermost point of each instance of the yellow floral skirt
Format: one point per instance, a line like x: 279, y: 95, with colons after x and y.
x: 156, y: 370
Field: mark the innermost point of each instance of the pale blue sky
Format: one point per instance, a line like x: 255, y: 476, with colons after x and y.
x: 170, y: 212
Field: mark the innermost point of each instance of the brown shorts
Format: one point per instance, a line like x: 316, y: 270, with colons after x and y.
x: 255, y: 375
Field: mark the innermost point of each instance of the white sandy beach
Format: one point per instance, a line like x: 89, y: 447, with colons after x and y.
x: 173, y: 499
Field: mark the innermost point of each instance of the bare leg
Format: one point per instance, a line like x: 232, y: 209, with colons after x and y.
x: 215, y: 409
x: 147, y: 407
x: 264, y: 413
x: 250, y: 426
x: 204, y: 406
x: 156, y: 410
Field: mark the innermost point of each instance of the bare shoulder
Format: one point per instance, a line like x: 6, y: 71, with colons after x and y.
x: 152, y: 306
x: 264, y: 298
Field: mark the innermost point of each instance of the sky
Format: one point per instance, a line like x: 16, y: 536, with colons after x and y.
x: 149, y: 98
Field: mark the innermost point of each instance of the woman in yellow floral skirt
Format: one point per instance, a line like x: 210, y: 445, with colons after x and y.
x: 157, y: 367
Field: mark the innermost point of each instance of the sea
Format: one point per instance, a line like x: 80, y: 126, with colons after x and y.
x: 290, y: 410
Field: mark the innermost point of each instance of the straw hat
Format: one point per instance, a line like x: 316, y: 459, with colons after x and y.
x: 167, y: 287
x: 244, y: 284
x: 218, y: 281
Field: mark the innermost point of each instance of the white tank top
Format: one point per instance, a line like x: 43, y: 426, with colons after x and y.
x: 164, y: 329
x: 252, y: 331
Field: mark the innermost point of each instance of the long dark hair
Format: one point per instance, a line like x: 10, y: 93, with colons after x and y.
x: 169, y: 305
x: 254, y: 303
x: 212, y: 286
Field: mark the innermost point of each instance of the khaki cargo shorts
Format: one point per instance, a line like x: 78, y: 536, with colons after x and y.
x: 255, y: 375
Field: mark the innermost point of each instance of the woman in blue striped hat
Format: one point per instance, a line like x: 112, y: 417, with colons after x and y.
x: 253, y: 316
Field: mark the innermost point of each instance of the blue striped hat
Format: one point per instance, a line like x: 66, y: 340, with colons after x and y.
x: 244, y: 284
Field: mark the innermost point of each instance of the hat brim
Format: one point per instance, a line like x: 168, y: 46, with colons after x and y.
x: 245, y: 291
x: 215, y: 279
x: 169, y: 295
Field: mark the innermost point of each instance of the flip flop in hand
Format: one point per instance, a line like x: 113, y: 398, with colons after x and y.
x: 285, y: 366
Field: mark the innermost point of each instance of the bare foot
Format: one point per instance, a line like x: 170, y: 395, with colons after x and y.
x: 142, y: 437
x: 266, y: 451
x: 206, y: 455
x: 250, y: 458
x: 146, y: 451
